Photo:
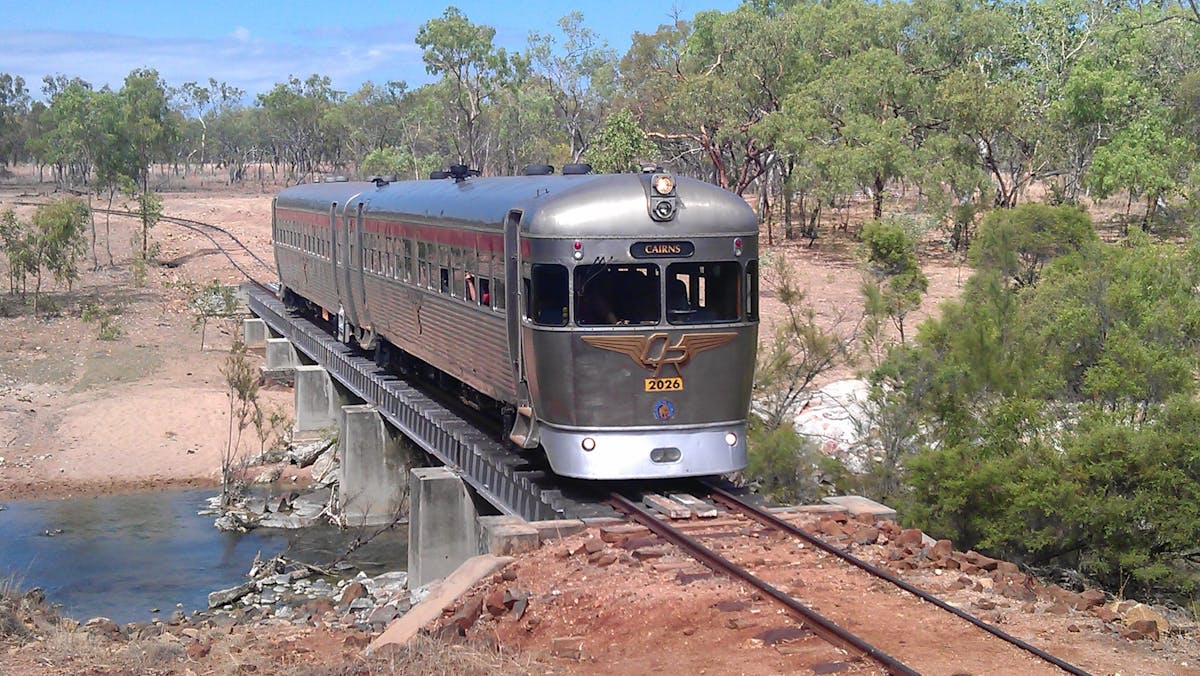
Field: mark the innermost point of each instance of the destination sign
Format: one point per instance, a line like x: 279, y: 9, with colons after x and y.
x: 662, y: 249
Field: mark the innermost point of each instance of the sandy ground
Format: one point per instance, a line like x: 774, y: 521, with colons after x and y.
x: 80, y: 415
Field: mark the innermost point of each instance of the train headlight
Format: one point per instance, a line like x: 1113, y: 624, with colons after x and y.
x: 664, y: 185
x: 664, y: 210
x: 737, y: 246
x: 578, y: 255
x: 731, y: 438
x: 589, y: 444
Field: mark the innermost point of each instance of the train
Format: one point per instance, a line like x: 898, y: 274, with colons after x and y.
x: 610, y: 320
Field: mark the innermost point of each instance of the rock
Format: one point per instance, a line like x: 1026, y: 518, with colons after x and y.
x: 984, y: 604
x: 384, y: 615
x: 865, y: 535
x: 1141, y: 612
x: 942, y: 549
x: 353, y: 591
x: 361, y: 604
x: 508, y: 574
x: 102, y: 626
x: 307, y: 454
x: 1058, y: 608
x: 606, y: 559
x: 593, y: 546
x: 910, y: 537
x: 567, y: 647
x: 269, y: 476
x: 495, y: 602
x: 828, y: 526
x: 1092, y: 598
x: 1105, y: 614
x: 468, y: 613
x: 1007, y: 568
x: 1073, y: 628
x: 1147, y: 628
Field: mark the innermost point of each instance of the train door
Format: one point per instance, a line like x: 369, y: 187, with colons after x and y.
x: 335, y: 250
x: 358, y: 292
x: 512, y: 286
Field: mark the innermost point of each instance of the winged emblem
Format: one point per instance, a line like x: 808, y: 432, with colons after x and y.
x: 655, y: 351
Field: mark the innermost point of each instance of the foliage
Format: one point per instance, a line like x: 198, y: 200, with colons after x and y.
x: 788, y: 467
x: 1017, y: 243
x: 213, y: 300
x: 242, y: 383
x: 894, y: 281
x: 620, y: 145
x: 52, y: 243
x: 107, y: 326
x: 797, y: 353
x: 1053, y: 408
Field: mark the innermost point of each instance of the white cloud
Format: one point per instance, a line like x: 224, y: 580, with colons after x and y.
x: 254, y: 64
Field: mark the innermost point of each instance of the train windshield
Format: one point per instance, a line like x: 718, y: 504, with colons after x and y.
x: 607, y: 295
x: 701, y: 293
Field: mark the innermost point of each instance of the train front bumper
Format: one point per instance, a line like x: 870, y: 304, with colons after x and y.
x: 645, y: 453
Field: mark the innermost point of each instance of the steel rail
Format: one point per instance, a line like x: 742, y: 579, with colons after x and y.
x: 766, y: 518
x: 820, y: 625
x: 199, y: 227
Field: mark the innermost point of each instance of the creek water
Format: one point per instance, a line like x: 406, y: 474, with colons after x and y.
x: 123, y: 556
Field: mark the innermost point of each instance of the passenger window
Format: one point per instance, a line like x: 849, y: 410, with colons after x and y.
x: 407, y: 260
x: 548, y: 295
x: 752, y: 291
x: 699, y: 293
x: 498, y: 298
x: 607, y: 295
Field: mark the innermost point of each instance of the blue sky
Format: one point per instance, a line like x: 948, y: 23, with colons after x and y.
x: 255, y: 43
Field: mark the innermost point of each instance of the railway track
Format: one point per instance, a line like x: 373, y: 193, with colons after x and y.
x: 223, y: 240
x: 732, y: 545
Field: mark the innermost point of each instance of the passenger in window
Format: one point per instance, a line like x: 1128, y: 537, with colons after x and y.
x: 469, y: 280
x: 485, y: 297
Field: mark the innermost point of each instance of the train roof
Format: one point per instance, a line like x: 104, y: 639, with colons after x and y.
x: 591, y: 205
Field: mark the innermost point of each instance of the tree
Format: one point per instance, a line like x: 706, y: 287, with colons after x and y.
x: 620, y: 145
x: 1018, y: 243
x: 894, y: 281
x: 52, y: 242
x: 799, y: 351
x: 471, y: 69
x: 582, y: 75
x: 14, y: 108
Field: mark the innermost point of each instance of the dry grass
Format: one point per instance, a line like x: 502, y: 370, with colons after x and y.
x: 432, y: 657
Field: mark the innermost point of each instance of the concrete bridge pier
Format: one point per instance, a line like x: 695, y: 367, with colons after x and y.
x: 443, y: 529
x: 318, y: 399
x: 255, y: 333
x: 375, y: 460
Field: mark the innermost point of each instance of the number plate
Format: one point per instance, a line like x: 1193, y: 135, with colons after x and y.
x: 664, y: 384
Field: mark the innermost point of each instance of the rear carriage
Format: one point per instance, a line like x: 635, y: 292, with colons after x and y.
x: 612, y: 318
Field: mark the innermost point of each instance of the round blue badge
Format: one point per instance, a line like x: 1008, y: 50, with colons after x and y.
x: 664, y: 410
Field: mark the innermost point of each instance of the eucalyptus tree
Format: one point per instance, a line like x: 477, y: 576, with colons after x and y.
x: 471, y: 68
x: 581, y: 70
x: 295, y: 116
x: 14, y: 111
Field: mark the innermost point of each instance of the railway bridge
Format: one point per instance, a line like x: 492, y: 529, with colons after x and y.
x: 484, y: 491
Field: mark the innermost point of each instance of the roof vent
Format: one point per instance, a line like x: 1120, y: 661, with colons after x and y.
x: 460, y: 172
x: 336, y: 179
x: 381, y: 181
x: 438, y: 175
x: 539, y: 169
x: 576, y: 169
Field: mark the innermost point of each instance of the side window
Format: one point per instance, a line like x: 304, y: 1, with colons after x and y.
x: 423, y: 260
x: 498, y: 297
x: 459, y: 274
x: 752, y: 291
x: 443, y: 266
x: 548, y: 295
x: 408, y: 264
